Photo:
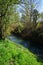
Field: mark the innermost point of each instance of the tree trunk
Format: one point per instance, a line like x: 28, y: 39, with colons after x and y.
x: 2, y: 29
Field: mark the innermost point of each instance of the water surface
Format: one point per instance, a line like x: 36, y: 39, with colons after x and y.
x: 26, y: 44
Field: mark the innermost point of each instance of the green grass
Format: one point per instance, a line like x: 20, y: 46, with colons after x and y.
x: 15, y: 54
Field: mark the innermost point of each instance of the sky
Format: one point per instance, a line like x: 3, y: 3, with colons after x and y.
x: 40, y: 7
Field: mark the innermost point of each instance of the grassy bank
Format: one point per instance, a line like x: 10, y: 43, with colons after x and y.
x: 14, y: 54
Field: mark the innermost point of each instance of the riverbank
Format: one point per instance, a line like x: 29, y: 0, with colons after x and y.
x: 15, y: 54
x: 35, y: 36
x: 27, y: 44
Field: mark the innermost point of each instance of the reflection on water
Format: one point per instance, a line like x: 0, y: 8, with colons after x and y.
x: 26, y: 44
x: 19, y: 41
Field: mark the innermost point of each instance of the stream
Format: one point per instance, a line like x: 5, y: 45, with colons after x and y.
x: 26, y: 44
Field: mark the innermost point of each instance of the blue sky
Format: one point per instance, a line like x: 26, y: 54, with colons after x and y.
x: 40, y: 7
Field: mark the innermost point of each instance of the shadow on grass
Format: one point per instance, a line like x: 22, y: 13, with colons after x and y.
x: 38, y: 51
x: 40, y: 58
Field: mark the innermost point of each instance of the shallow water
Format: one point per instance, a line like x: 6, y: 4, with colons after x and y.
x: 26, y: 44
x: 19, y: 41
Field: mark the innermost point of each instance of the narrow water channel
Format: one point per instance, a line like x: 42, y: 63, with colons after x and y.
x: 19, y: 41
x: 26, y: 44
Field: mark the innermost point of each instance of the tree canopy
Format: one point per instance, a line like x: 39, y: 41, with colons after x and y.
x: 4, y: 14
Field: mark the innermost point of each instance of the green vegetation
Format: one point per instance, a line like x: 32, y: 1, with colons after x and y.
x: 14, y: 54
x: 6, y: 7
x: 20, y: 17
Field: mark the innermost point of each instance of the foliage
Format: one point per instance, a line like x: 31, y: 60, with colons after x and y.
x: 38, y: 25
x: 14, y: 54
x: 41, y: 15
x: 5, y: 6
x: 29, y: 15
x: 20, y: 27
x: 13, y: 19
x: 35, y: 15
